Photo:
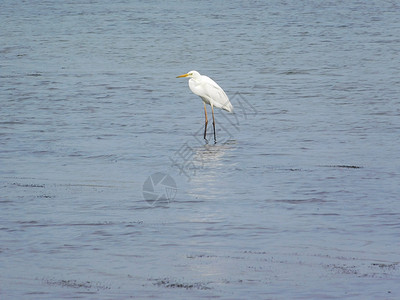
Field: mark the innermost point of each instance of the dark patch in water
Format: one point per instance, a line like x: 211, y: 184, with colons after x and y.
x: 343, y: 269
x: 76, y: 284
x: 29, y: 185
x: 385, y: 266
x: 45, y: 196
x: 34, y: 74
x: 343, y: 166
x: 168, y: 283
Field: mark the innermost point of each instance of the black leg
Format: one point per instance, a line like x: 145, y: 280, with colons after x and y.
x: 215, y: 136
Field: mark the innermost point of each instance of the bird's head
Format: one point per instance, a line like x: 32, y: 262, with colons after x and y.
x: 191, y: 74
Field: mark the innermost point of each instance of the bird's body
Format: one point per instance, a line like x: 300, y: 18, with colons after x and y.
x: 210, y: 92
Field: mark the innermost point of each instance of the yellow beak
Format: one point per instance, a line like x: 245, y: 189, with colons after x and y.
x: 184, y: 75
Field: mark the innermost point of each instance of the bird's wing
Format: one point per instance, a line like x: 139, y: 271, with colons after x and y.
x: 216, y: 94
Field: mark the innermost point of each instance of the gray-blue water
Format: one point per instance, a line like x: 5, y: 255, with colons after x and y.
x: 299, y: 199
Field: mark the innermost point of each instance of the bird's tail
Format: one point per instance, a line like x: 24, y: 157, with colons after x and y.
x: 228, y: 107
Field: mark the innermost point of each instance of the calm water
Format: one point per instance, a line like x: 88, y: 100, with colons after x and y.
x: 299, y: 199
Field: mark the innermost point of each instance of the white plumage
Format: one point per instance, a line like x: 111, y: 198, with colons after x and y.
x: 210, y: 92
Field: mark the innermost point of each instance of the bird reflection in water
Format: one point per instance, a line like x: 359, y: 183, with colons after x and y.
x: 212, y: 164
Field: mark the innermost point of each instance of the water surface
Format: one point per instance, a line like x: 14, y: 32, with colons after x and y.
x: 299, y: 199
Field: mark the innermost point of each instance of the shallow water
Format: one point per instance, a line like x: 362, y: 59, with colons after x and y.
x: 299, y: 199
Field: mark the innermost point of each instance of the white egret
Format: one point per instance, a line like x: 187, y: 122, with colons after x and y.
x: 211, y: 93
